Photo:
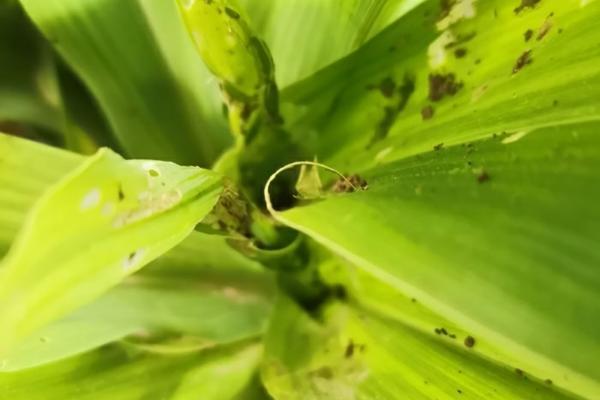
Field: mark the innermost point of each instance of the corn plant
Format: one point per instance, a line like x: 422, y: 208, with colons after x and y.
x: 300, y: 199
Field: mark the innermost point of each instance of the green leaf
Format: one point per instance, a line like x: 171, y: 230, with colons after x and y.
x: 221, y: 378
x: 307, y: 35
x: 99, y: 224
x: 24, y: 176
x: 27, y: 97
x: 201, y: 289
x: 497, y: 236
x: 359, y: 355
x: 360, y: 111
x: 114, y: 372
x: 152, y: 86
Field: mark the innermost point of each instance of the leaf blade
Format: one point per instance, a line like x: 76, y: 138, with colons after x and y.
x: 520, y: 241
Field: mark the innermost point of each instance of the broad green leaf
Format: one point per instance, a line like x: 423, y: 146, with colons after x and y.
x: 498, y: 236
x: 102, y: 222
x: 307, y: 35
x: 138, y: 62
x: 85, y: 128
x: 356, y: 355
x: 115, y: 372
x: 27, y: 97
x: 201, y: 289
x: 372, y: 106
x: 24, y: 175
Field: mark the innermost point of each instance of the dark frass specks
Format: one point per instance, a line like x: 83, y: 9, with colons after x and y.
x: 120, y: 193
x: 460, y: 52
x: 349, y: 350
x: 352, y: 348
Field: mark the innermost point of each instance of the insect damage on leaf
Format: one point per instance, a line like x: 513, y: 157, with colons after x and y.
x: 90, y: 200
x: 133, y: 259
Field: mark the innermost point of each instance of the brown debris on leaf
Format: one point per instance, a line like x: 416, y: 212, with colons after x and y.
x: 441, y: 85
x: 526, y: 4
x: 523, y: 60
x: 350, y: 184
x: 528, y: 34
x: 483, y: 176
x: 427, y: 112
x: 469, y: 341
